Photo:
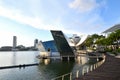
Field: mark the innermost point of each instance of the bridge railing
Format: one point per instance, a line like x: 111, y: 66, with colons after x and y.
x: 78, y: 73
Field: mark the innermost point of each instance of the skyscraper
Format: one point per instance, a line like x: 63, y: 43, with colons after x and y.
x: 14, y: 43
x: 35, y: 43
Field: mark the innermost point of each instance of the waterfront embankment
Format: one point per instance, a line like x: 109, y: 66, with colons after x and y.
x: 110, y: 70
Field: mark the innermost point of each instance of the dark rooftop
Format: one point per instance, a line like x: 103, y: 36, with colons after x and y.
x: 112, y: 29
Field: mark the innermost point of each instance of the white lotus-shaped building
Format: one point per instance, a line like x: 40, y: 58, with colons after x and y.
x: 76, y: 40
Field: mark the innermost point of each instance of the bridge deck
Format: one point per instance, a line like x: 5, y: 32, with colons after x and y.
x: 110, y: 70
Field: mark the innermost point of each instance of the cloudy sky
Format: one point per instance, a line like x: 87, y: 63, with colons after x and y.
x: 31, y: 19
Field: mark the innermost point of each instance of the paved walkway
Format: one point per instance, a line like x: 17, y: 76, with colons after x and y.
x: 109, y: 70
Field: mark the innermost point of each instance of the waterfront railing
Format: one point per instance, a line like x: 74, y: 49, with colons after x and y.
x: 76, y: 74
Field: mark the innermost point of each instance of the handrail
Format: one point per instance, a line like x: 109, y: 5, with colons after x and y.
x: 62, y: 76
x: 84, y: 70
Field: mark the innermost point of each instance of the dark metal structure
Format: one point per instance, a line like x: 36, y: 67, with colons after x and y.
x: 62, y: 44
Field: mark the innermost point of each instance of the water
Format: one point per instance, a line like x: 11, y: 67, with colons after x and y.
x: 45, y: 71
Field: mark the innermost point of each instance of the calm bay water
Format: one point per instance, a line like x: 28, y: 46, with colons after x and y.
x: 45, y: 71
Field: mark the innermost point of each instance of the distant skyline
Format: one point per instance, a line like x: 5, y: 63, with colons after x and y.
x: 33, y: 19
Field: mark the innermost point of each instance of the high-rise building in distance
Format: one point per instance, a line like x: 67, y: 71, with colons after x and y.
x: 35, y: 43
x: 14, y: 42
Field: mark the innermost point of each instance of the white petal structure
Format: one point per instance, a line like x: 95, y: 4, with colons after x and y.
x: 83, y: 38
x: 41, y: 47
x: 76, y: 40
x: 43, y: 52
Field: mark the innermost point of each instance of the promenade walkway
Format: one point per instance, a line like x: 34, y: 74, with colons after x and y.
x: 110, y: 70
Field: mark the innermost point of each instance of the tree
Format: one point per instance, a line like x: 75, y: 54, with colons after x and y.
x: 89, y: 42
x: 114, y: 37
x: 92, y: 39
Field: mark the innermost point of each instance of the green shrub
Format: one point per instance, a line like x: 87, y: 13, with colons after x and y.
x: 118, y: 50
x: 115, y: 53
x: 108, y: 50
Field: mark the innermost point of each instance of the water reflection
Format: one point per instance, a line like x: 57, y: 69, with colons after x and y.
x: 45, y: 61
x: 46, y: 70
x: 18, y: 57
x: 81, y: 60
x: 5, y: 58
x: 55, y: 68
x: 14, y: 58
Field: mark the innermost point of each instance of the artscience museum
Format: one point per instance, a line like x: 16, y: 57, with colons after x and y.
x: 62, y: 43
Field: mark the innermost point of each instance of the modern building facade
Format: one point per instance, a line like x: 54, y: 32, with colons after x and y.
x: 111, y: 29
x: 66, y: 47
x: 50, y: 45
x: 61, y: 43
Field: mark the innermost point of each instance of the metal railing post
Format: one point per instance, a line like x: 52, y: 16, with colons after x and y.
x: 71, y: 76
x: 91, y: 68
x: 83, y: 71
x: 63, y: 77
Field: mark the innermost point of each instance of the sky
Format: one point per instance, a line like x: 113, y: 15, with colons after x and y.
x: 33, y: 19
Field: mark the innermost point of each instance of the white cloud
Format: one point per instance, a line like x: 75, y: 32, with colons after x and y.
x: 35, y: 18
x: 90, y: 20
x: 58, y: 18
x: 19, y: 16
x: 34, y: 21
x: 83, y: 5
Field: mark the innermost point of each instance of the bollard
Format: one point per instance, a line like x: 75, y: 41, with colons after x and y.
x: 91, y: 68
x: 54, y: 58
x: 83, y: 71
x: 68, y: 58
x: 94, y: 66
x: 98, y: 64
x: 87, y: 70
x: 77, y: 74
x: 97, y: 59
x: 75, y: 58
x: 61, y: 58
